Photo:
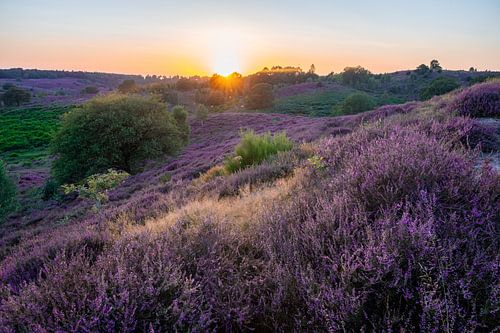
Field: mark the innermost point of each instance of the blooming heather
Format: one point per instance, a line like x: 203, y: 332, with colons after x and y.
x: 394, y: 227
x: 482, y: 100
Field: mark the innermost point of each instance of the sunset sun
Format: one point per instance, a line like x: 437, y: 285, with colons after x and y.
x: 226, y: 61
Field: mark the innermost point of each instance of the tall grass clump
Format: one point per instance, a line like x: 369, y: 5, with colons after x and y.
x: 254, y: 148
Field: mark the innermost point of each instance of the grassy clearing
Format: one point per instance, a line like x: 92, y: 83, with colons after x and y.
x: 321, y: 104
x: 25, y: 133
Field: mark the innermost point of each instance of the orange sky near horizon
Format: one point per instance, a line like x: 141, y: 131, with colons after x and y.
x: 202, y: 38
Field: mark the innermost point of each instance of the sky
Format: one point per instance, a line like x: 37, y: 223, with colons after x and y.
x: 188, y: 37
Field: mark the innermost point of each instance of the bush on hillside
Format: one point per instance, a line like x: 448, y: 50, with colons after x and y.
x: 127, y: 86
x: 90, y: 90
x: 422, y: 69
x: 186, y: 84
x: 7, y: 193
x: 164, y: 91
x: 201, y: 112
x: 355, y: 76
x: 181, y: 119
x: 254, y: 148
x: 357, y: 103
x: 260, y: 96
x: 15, y: 96
x: 115, y: 131
x: 95, y: 187
x: 7, y: 86
x: 215, y: 98
x: 482, y: 100
x: 439, y: 86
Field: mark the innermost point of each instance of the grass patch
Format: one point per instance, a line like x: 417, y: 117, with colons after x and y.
x: 25, y: 133
x: 321, y: 104
x: 312, y: 105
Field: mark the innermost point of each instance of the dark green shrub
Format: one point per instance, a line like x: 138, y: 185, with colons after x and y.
x: 439, y: 86
x: 114, y: 131
x: 164, y: 91
x: 165, y: 178
x: 16, y: 96
x: 260, y: 96
x: 90, y: 90
x: 215, y: 98
x: 201, y: 113
x: 422, y: 69
x: 50, y: 189
x: 355, y: 76
x: 169, y: 96
x: 356, y: 103
x: 7, y: 86
x: 7, y: 193
x: 181, y: 119
x: 186, y: 84
x: 127, y: 86
x: 254, y: 148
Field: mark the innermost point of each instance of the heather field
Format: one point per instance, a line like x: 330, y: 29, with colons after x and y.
x: 383, y: 220
x: 249, y: 166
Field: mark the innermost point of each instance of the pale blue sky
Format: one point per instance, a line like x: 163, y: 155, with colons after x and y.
x: 168, y: 37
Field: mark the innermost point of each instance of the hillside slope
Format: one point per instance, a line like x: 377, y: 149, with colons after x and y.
x: 385, y: 220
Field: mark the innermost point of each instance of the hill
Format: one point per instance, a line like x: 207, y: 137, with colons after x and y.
x: 382, y: 220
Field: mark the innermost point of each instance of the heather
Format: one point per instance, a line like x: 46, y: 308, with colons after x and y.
x: 380, y: 221
x: 482, y: 100
x: 401, y: 236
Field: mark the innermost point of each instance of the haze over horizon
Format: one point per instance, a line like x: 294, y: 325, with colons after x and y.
x: 190, y: 38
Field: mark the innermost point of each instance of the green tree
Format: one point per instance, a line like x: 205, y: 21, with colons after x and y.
x: 186, y: 84
x: 16, y: 96
x: 7, y: 193
x: 355, y: 76
x: 422, y: 69
x: 201, y: 113
x: 127, y: 86
x: 164, y: 91
x: 181, y: 120
x: 260, y: 96
x: 114, y: 131
x: 435, y: 66
x: 439, y: 86
x: 356, y: 103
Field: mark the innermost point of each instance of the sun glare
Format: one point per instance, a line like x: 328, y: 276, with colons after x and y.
x: 225, y: 62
